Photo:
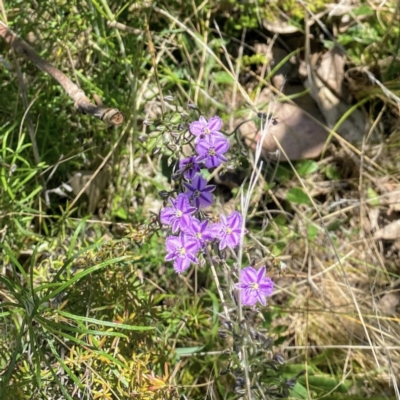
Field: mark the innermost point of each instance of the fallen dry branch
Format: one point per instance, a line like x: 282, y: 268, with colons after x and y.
x: 110, y: 116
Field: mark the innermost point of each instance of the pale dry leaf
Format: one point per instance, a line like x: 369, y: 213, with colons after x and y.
x: 337, y: 10
x: 299, y: 136
x: 389, y: 232
x: 391, y: 194
x: 328, y: 90
x: 373, y: 216
x: 388, y: 303
x: 279, y: 26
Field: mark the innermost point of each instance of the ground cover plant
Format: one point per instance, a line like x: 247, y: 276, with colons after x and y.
x: 199, y: 200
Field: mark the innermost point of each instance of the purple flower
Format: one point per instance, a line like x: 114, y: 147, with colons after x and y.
x: 179, y: 215
x: 202, y: 128
x: 198, y: 192
x: 212, y: 150
x: 200, y: 232
x: 229, y: 230
x: 189, y: 166
x: 182, y: 250
x: 254, y: 286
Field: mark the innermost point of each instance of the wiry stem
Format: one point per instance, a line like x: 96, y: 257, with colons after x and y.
x: 216, y: 280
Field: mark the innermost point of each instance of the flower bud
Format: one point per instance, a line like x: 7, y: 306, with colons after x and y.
x: 224, y: 372
x: 147, y: 122
x: 142, y: 138
x: 290, y: 383
x: 155, y: 151
x: 222, y: 333
x: 278, y: 357
x: 163, y: 194
x: 192, y: 106
x: 176, y: 176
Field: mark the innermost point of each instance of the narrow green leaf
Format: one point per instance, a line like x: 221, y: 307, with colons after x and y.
x: 64, y: 366
x: 104, y: 323
x: 59, y: 326
x: 14, y: 261
x: 180, y: 351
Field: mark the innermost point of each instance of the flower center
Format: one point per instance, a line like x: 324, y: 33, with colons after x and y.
x: 206, y: 131
x: 199, y: 235
x: 182, y: 251
x: 211, y: 151
x: 254, y: 286
x: 228, y: 230
x: 179, y: 213
x: 196, y: 193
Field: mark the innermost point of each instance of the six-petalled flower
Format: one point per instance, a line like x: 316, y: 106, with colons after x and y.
x: 189, y: 167
x: 203, y: 128
x: 229, y: 231
x: 211, y: 150
x: 200, y: 231
x: 182, y: 251
x: 254, y: 286
x: 199, y: 192
x: 179, y: 215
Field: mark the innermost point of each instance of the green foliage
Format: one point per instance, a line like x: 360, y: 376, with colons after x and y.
x: 89, y: 304
x: 298, y: 196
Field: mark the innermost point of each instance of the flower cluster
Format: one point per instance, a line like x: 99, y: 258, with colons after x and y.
x: 191, y: 231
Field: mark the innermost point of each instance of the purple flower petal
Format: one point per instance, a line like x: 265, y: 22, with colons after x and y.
x: 197, y: 127
x: 215, y: 124
x: 202, y: 147
x: 181, y: 265
x: 249, y: 275
x: 171, y: 242
x: 248, y: 297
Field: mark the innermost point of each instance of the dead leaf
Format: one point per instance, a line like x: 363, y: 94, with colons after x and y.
x: 327, y: 87
x: 299, y: 136
x: 279, y: 26
x: 388, y: 303
x: 389, y: 232
x: 391, y: 195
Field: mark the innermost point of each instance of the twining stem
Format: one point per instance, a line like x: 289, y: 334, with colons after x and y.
x: 110, y: 116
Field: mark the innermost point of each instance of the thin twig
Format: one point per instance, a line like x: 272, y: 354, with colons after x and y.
x: 110, y: 116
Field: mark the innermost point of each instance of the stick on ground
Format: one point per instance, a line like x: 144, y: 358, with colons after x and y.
x: 110, y: 116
